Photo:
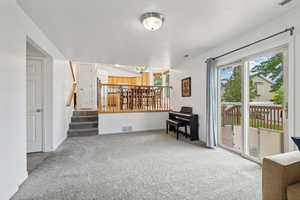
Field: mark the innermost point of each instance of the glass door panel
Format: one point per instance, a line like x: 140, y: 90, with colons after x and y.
x: 266, y: 105
x: 230, y: 95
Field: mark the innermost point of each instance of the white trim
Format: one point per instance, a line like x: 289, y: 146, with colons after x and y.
x: 219, y: 105
x: 47, y: 96
x: 251, y: 158
x: 24, y: 177
x: 257, y: 161
x: 230, y: 149
x: 15, y: 189
x: 9, y: 194
x: 21, y: 181
x: 59, y: 143
x: 245, y: 112
x: 48, y: 106
x: 128, y: 132
x: 286, y: 44
x: 291, y: 92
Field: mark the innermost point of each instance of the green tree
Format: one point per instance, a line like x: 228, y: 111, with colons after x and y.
x: 273, y: 69
x: 279, y: 97
x: 232, y: 87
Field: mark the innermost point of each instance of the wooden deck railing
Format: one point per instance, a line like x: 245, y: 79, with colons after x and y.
x: 261, y: 116
x: 231, y: 114
x: 270, y: 117
x: 114, y: 98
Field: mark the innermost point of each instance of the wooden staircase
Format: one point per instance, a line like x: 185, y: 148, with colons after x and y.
x: 83, y: 123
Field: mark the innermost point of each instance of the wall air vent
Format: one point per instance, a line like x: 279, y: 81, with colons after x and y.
x: 284, y: 2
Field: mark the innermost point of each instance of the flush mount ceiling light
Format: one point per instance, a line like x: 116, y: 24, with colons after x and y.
x: 152, y: 21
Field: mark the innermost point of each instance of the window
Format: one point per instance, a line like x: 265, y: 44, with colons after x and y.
x: 259, y: 88
x: 252, y: 105
x: 158, y: 80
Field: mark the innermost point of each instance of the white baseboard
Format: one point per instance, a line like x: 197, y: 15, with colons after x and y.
x: 10, y: 193
x: 135, y: 131
x: 59, y: 143
x: 15, y: 189
x: 23, y: 178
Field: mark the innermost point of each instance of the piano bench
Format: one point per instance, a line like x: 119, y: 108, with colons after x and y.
x: 177, y: 125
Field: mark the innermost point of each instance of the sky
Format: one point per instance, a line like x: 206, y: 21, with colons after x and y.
x: 226, y: 72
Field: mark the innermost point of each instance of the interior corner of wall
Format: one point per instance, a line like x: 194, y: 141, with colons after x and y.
x: 23, y: 177
x: 55, y: 146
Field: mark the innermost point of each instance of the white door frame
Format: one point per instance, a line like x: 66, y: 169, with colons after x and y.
x: 263, y: 48
x: 47, y: 96
x: 42, y: 60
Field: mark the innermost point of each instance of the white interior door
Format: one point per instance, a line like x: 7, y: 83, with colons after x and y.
x: 87, y: 86
x: 34, y: 70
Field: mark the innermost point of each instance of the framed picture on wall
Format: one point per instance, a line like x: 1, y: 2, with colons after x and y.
x: 186, y: 87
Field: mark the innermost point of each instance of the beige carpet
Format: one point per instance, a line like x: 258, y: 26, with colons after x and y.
x: 137, y: 166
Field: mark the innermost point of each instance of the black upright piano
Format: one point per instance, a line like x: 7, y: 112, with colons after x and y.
x: 186, y: 116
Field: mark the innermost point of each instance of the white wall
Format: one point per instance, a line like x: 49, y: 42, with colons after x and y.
x: 117, y: 71
x: 115, y: 122
x: 196, y: 67
x: 62, y: 83
x: 105, y: 70
x: 14, y: 27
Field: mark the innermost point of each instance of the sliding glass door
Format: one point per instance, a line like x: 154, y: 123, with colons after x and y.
x: 267, y: 99
x: 230, y: 89
x: 253, y: 104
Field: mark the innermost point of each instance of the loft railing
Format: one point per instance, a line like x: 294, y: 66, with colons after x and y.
x: 115, y: 98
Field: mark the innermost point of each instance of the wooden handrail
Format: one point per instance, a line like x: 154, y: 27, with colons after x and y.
x: 74, y: 86
x: 120, y: 85
x: 72, y: 94
x: 72, y: 70
x: 133, y: 111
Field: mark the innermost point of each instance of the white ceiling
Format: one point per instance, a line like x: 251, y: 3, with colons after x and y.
x: 109, y: 31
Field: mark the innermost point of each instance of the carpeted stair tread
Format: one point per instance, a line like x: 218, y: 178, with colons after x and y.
x: 88, y: 122
x: 85, y: 112
x: 83, y: 130
x: 84, y: 118
x: 88, y: 116
x: 83, y: 123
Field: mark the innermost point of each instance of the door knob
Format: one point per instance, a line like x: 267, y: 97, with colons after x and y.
x: 38, y: 110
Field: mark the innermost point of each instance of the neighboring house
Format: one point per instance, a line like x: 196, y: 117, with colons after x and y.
x: 263, y: 87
